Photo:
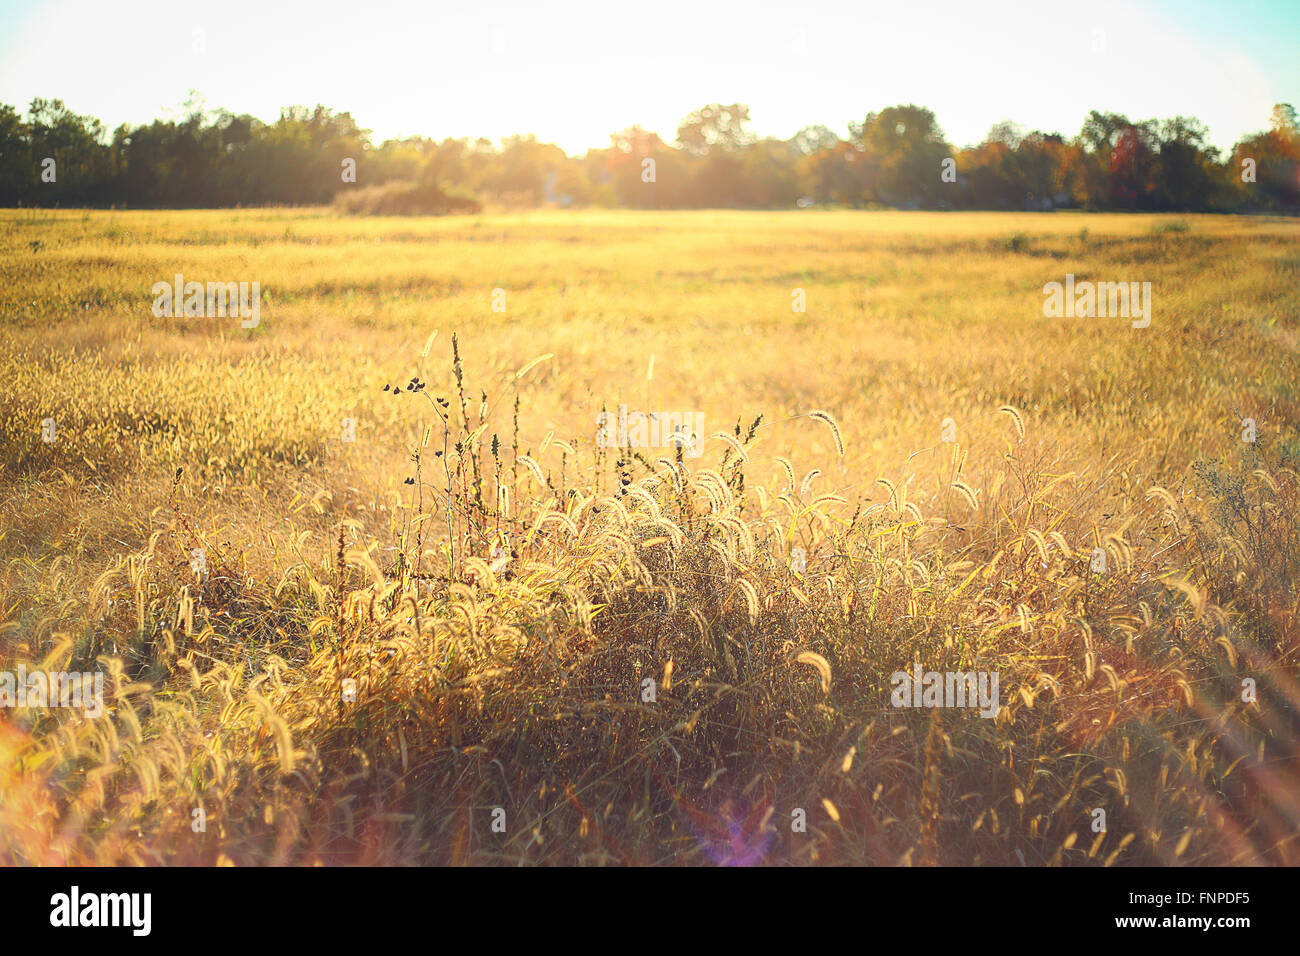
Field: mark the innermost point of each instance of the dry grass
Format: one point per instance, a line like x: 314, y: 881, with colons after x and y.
x: 514, y: 680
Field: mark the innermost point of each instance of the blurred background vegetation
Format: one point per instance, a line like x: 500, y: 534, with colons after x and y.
x: 215, y: 158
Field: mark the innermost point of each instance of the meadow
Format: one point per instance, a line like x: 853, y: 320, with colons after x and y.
x: 472, y: 635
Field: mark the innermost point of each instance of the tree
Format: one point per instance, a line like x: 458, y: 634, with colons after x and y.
x: 814, y: 139
x: 1275, y: 158
x: 76, y: 145
x: 904, y: 151
x: 1282, y: 120
x: 625, y: 170
x: 1186, y: 175
x: 1132, y: 183
x: 17, y: 169
x: 715, y: 128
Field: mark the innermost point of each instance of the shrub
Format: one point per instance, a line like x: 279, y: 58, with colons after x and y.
x: 405, y: 199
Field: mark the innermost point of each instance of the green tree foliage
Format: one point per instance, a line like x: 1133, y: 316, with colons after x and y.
x: 903, y: 149
x: 897, y: 157
x: 1187, y: 173
x: 15, y: 156
x: 81, y: 166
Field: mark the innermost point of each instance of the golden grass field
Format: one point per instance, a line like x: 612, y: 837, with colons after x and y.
x: 516, y: 683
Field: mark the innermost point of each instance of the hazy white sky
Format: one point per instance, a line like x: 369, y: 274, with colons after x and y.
x: 574, y: 72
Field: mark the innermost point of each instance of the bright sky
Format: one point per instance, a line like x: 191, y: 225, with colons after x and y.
x: 574, y: 72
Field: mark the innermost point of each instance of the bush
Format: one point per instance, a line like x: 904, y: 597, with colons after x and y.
x: 405, y: 199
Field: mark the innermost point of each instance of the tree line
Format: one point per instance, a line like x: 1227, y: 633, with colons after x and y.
x: 896, y: 157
